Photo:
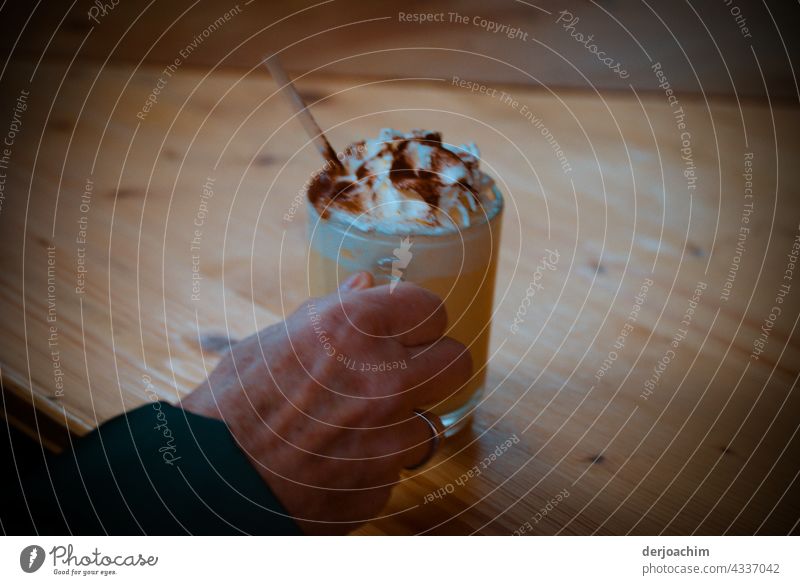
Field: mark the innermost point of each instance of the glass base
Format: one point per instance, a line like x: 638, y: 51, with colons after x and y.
x: 460, y: 418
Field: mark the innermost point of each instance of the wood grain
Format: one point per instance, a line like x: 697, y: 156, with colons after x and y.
x: 713, y: 449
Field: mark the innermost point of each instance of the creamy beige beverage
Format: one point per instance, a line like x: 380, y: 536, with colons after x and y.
x: 409, y: 207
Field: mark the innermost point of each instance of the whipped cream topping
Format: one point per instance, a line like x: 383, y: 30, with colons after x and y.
x: 405, y: 183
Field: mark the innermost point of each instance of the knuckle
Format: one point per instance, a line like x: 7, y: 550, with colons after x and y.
x: 356, y: 412
x: 454, y: 349
x: 335, y: 318
x: 361, y: 315
x: 386, y: 407
x: 383, y: 404
x: 421, y: 294
x: 428, y: 305
x: 346, y: 316
x: 389, y: 387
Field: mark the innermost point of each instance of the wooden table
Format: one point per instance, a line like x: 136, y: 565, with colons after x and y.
x: 711, y: 448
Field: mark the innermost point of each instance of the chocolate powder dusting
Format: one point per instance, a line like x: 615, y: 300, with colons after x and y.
x: 399, y: 181
x: 423, y: 182
x: 345, y: 195
x: 427, y: 183
x: 434, y: 137
x: 320, y: 188
x: 328, y: 189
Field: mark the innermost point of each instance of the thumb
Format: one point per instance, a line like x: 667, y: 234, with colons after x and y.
x: 357, y: 281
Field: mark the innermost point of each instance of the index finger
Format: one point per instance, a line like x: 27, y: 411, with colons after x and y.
x: 409, y: 313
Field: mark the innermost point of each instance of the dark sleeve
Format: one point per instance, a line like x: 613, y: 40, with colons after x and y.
x: 155, y: 470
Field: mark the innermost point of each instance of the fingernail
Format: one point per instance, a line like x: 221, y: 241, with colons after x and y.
x: 357, y: 281
x: 348, y: 282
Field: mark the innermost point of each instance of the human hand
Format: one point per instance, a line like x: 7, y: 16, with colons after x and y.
x: 323, y: 403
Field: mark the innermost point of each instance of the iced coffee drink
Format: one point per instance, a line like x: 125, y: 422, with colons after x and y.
x: 409, y: 207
